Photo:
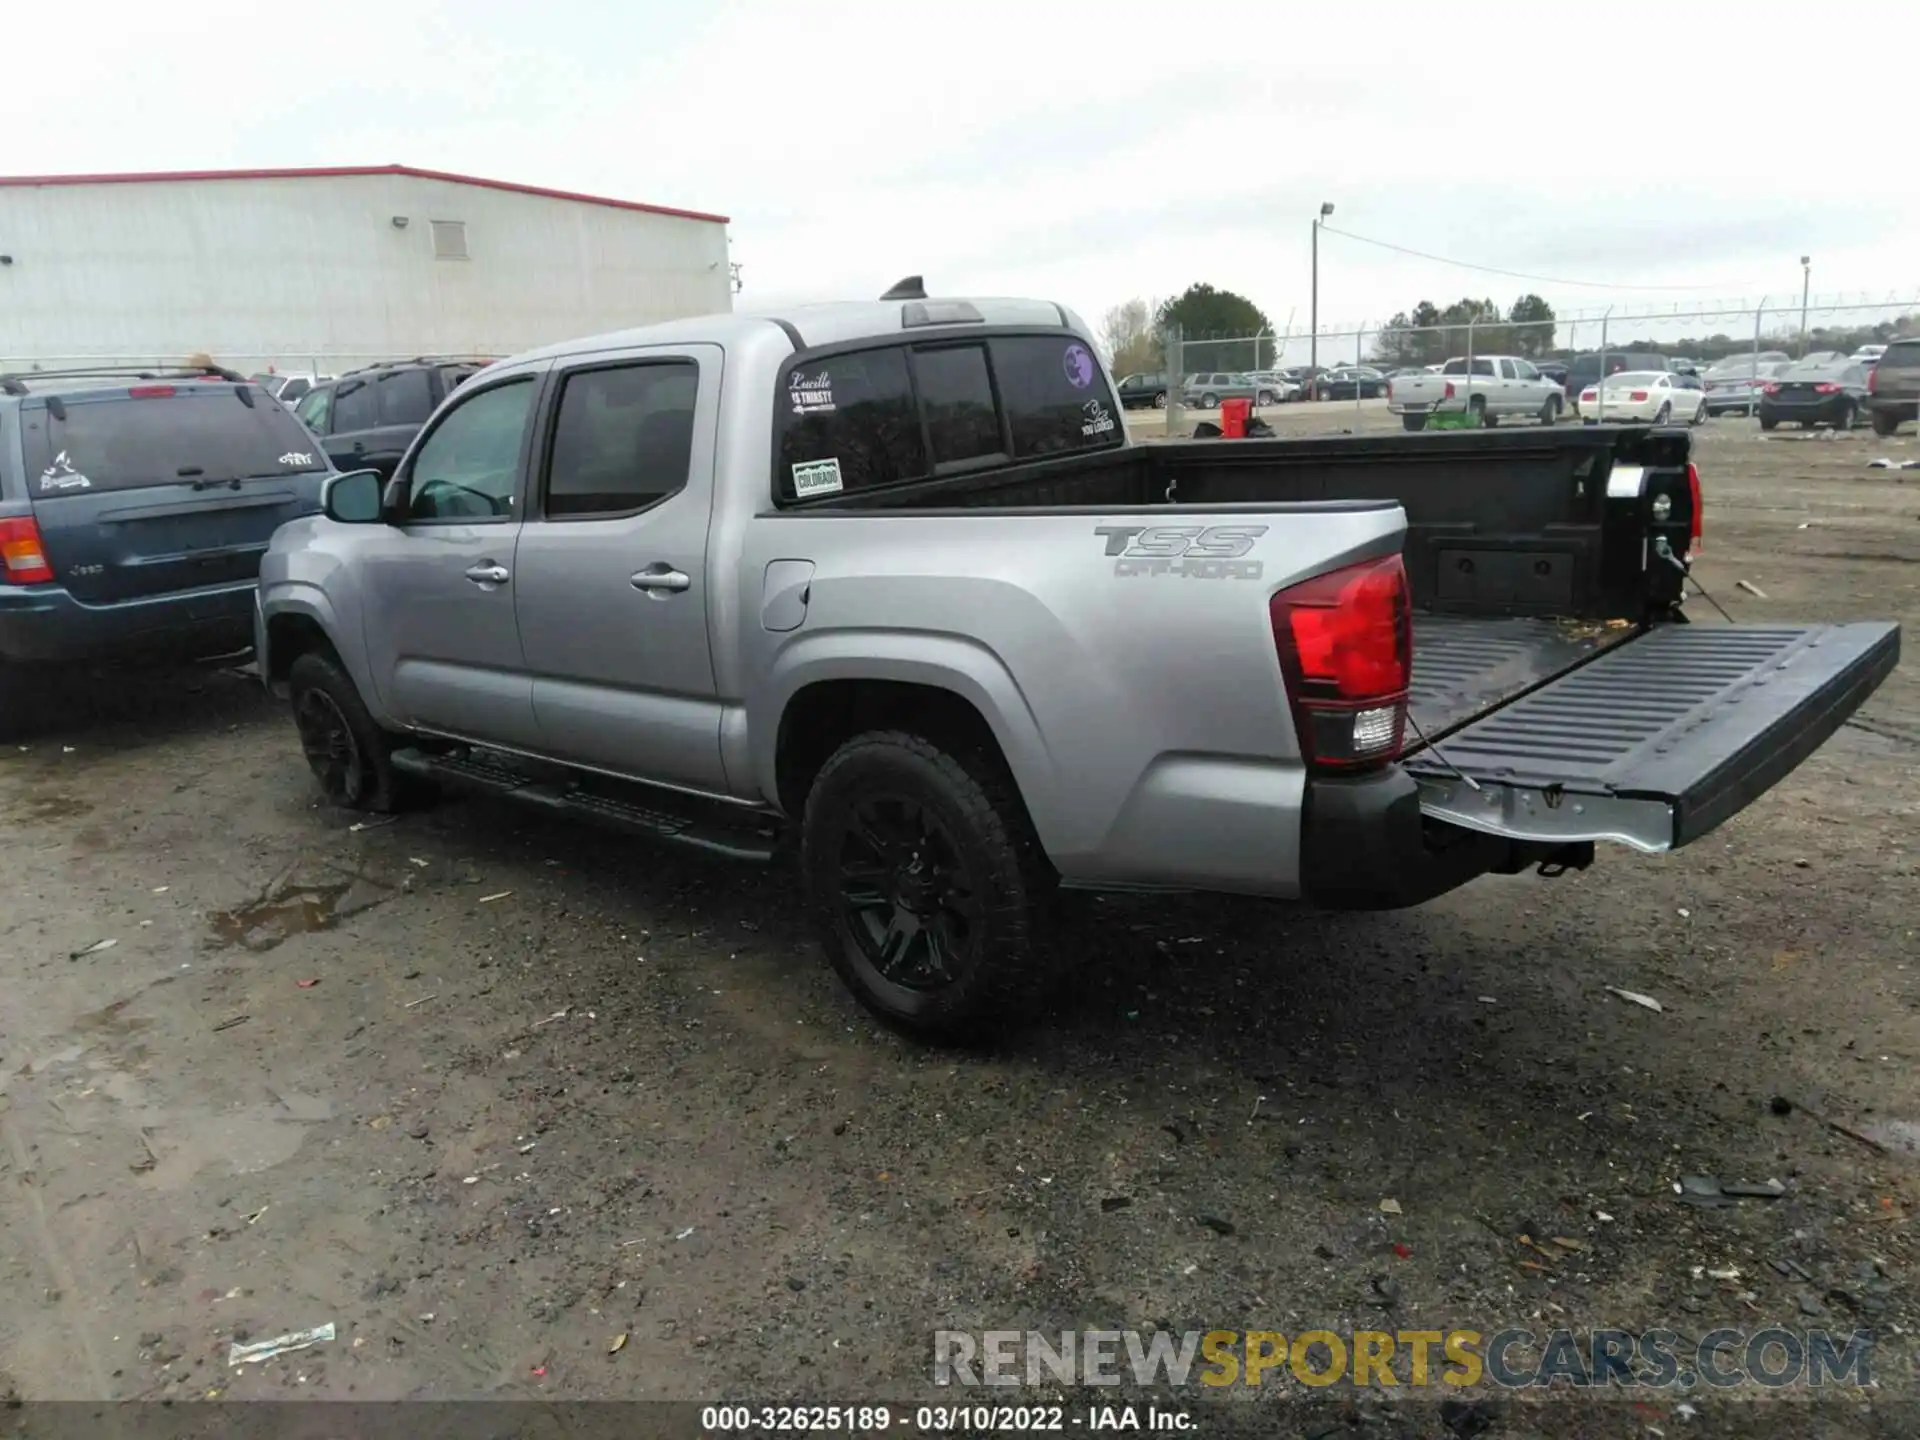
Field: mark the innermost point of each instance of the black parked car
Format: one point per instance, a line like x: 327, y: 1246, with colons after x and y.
x: 1824, y: 392
x: 1553, y: 370
x: 134, y: 508
x: 1139, y: 391
x: 1350, y: 382
x: 367, y: 418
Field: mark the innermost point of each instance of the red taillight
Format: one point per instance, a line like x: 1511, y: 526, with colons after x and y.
x: 1693, y: 493
x: 1637, y: 395
x: 1873, y: 380
x: 149, y: 392
x: 25, y: 558
x: 1770, y: 389
x: 1589, y: 395
x: 1448, y: 395
x: 1827, y: 387
x: 1346, y: 649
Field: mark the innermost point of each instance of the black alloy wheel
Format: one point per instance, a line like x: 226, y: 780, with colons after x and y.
x: 332, y: 751
x: 909, y: 903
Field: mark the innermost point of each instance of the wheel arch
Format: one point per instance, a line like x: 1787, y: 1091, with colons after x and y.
x: 953, y: 691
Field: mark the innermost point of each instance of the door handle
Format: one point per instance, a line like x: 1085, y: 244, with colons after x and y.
x: 660, y: 577
x: 489, y: 574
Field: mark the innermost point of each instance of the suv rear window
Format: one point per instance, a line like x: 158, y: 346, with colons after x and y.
x: 1901, y: 352
x: 196, y: 432
x: 855, y: 421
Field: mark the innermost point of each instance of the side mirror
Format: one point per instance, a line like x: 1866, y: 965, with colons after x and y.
x: 396, y: 500
x: 352, y: 498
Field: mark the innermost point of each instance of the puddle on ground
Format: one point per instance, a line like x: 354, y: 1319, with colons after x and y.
x: 295, y: 908
x: 1901, y: 1137
x: 177, y: 1143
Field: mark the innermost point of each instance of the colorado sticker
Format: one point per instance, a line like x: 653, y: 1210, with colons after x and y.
x: 816, y: 477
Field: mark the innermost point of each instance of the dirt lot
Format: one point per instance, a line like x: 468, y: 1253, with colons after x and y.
x: 486, y: 1092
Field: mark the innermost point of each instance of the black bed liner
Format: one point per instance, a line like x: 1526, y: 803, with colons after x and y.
x: 1464, y: 666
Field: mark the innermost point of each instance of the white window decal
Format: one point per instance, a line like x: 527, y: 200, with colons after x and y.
x: 61, y: 475
x: 1099, y: 419
x: 811, y: 394
x: 296, y: 457
x: 816, y: 477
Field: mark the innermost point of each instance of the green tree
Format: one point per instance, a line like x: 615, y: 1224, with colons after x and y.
x: 1203, y: 313
x: 1533, y: 322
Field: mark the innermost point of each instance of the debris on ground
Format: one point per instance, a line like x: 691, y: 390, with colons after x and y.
x: 1751, y: 588
x: 1110, y: 1203
x: 1702, y: 1191
x: 94, y: 949
x: 1748, y: 1190
x: 617, y: 1344
x: 497, y: 895
x: 279, y: 1345
x: 1883, y: 463
x: 231, y: 1021
x: 1634, y: 997
x: 1215, y: 1224
x: 359, y: 825
x: 1390, y: 1206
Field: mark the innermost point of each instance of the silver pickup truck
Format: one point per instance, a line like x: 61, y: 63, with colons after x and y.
x: 888, y: 579
x: 1491, y: 388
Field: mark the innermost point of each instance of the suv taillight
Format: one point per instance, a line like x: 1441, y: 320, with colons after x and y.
x: 1873, y: 380
x: 23, y: 556
x: 1693, y: 494
x: 1345, y: 641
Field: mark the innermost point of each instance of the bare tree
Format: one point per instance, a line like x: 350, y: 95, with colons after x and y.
x: 1126, y: 333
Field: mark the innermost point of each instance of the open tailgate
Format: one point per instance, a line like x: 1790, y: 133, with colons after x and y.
x: 1658, y: 740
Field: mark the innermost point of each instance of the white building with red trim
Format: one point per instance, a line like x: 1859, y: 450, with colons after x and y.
x: 328, y: 268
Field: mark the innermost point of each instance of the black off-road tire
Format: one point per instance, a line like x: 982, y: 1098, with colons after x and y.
x: 1413, y: 422
x: 1004, y: 967
x: 354, y: 766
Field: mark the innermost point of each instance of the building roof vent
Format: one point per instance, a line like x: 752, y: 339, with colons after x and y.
x: 449, y: 239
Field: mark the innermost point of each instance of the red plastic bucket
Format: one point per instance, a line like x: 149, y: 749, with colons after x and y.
x: 1233, y: 418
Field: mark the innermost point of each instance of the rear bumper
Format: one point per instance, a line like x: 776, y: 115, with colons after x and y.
x: 1364, y: 845
x: 40, y: 623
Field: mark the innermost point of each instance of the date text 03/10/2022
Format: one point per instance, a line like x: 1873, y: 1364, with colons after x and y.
x: 943, y: 1419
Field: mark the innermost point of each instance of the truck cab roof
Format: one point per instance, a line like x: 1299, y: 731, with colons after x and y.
x: 828, y: 323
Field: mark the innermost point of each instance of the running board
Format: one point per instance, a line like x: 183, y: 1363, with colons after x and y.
x: 556, y: 791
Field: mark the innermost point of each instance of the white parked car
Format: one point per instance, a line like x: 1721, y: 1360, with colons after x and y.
x: 1644, y: 395
x: 1868, y: 354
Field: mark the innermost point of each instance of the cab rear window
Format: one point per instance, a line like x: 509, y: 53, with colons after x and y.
x: 194, y: 433
x: 897, y: 413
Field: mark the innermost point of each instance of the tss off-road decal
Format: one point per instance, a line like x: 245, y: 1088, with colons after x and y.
x: 1199, y: 552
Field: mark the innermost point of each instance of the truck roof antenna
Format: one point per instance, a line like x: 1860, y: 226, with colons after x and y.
x: 914, y: 287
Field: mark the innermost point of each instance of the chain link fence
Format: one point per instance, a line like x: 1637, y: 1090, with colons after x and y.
x: 1703, y: 334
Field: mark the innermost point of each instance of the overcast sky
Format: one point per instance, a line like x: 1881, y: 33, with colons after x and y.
x: 1667, y: 154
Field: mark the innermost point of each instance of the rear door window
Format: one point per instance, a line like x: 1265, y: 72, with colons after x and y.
x: 405, y: 397
x: 199, y: 434
x: 355, y: 407
x: 623, y: 439
x: 314, y: 409
x: 848, y: 422
x: 1055, y: 395
x: 1902, y: 353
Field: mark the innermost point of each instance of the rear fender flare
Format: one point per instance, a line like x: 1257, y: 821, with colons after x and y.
x: 964, y: 667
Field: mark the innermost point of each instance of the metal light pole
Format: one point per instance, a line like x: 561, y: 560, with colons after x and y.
x: 1313, y: 319
x: 1806, y: 282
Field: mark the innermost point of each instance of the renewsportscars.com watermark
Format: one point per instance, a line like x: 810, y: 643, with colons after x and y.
x: 1773, y: 1358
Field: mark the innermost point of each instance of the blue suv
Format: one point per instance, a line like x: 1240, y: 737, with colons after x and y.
x: 135, y: 507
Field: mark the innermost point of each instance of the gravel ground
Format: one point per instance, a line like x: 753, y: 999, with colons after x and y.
x: 489, y: 1093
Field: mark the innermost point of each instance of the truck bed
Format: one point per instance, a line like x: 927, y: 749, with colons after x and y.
x: 1525, y: 556
x: 1465, y: 666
